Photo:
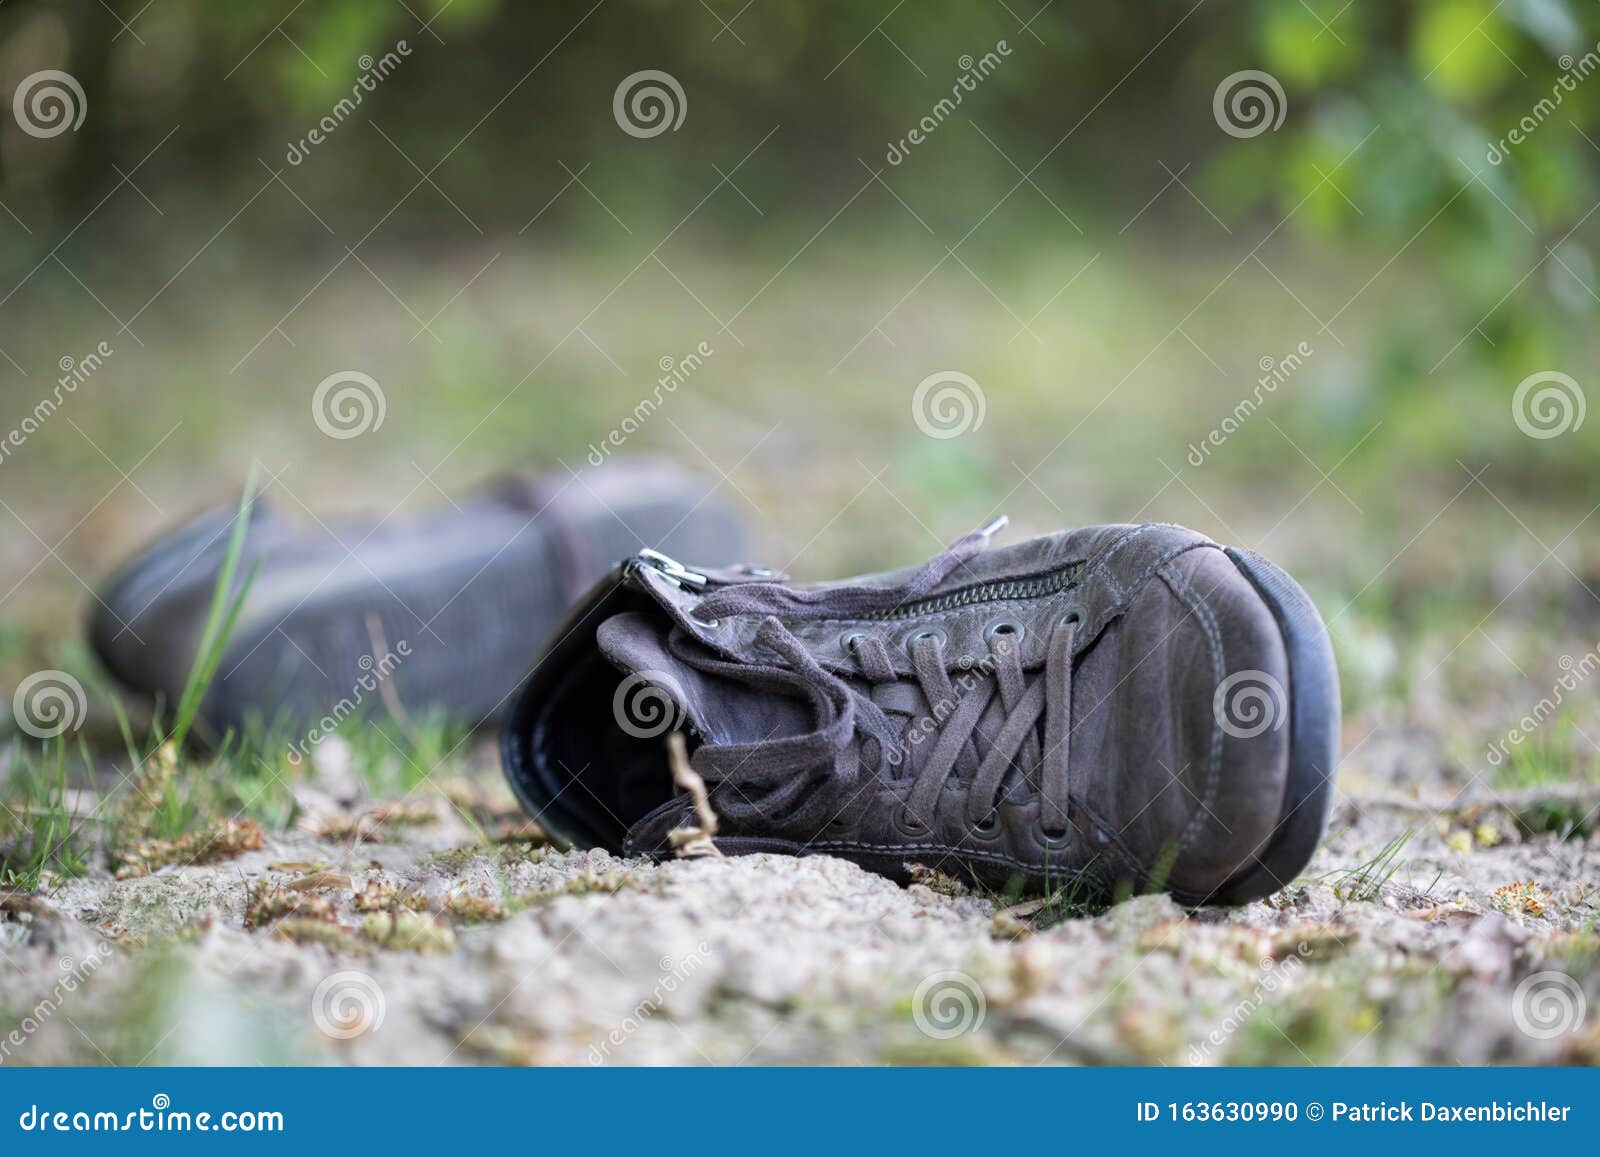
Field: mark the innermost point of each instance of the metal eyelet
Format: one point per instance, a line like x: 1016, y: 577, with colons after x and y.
x: 848, y: 641
x: 926, y: 633
x: 1073, y: 615
x: 1006, y: 628
x: 986, y: 828
x: 706, y: 624
x: 1055, y: 840
x: 757, y: 571
x: 907, y: 824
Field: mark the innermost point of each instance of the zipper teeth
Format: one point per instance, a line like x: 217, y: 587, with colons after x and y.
x: 990, y: 592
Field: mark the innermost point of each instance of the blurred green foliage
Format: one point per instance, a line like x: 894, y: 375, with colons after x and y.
x: 1440, y: 79
x: 1443, y: 79
x: 1396, y: 142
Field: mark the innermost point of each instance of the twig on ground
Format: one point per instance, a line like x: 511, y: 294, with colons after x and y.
x: 691, y: 841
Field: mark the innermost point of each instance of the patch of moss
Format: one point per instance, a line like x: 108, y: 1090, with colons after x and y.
x: 407, y: 931
x: 1524, y: 898
x: 215, y: 841
x: 268, y: 902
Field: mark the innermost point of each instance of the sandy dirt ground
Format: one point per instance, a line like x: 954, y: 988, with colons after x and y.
x: 439, y: 932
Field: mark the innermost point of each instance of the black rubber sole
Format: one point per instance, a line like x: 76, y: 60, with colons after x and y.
x: 1314, y: 722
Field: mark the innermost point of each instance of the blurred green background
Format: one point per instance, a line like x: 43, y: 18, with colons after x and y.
x: 1095, y: 235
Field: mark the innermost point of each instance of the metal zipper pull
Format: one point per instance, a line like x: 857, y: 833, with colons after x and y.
x: 672, y: 568
x: 995, y: 525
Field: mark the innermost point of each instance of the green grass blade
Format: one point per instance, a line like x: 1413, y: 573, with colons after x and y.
x: 221, y: 619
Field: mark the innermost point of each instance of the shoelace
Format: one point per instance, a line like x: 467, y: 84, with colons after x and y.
x: 813, y: 779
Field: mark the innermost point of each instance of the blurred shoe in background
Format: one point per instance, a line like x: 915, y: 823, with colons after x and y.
x: 438, y: 613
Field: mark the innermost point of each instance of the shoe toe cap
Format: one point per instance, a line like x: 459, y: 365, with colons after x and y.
x: 1195, y: 747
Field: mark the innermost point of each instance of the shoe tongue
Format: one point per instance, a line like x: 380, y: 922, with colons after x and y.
x: 721, y: 710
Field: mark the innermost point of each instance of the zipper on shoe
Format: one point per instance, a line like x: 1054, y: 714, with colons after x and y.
x: 683, y: 577
x: 1001, y: 590
x: 672, y: 569
x: 1034, y: 587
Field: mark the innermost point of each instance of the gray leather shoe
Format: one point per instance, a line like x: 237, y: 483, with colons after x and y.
x: 1114, y: 704
x: 445, y: 609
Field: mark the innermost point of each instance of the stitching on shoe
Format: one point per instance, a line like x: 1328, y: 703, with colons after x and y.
x: 631, y: 848
x: 969, y: 853
x: 1116, y: 545
x: 1184, y: 591
x: 1115, y: 851
x: 1118, y: 849
x: 1002, y: 858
